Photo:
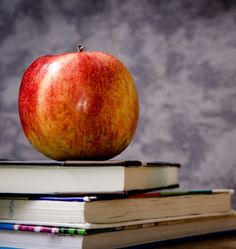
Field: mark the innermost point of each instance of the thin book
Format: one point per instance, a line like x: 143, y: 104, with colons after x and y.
x: 36, y: 237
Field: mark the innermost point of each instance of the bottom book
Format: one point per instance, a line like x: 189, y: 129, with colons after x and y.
x: 118, y: 237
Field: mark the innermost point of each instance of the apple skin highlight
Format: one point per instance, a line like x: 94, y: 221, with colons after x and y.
x: 78, y: 106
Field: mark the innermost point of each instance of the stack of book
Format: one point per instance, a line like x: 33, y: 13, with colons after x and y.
x: 103, y: 204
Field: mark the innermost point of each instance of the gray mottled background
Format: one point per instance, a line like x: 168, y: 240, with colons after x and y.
x: 183, y: 58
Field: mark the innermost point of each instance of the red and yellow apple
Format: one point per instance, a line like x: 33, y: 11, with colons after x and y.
x: 78, y: 106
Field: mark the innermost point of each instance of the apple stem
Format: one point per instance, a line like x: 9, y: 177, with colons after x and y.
x: 80, y: 48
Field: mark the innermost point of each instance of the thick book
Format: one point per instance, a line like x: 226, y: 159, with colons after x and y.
x: 73, y: 177
x: 134, y: 207
x: 36, y: 237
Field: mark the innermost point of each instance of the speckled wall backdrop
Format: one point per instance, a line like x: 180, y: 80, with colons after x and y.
x: 183, y: 58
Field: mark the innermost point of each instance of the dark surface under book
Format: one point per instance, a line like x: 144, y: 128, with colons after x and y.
x: 181, y: 241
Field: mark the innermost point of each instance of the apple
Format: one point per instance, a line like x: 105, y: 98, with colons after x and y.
x: 78, y: 105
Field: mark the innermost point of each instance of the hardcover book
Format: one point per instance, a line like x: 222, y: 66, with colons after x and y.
x: 74, y: 177
x: 98, y: 210
x: 131, y: 234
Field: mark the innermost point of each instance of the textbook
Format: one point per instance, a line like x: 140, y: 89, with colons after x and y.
x: 73, y: 177
x: 97, y: 210
x: 37, y: 237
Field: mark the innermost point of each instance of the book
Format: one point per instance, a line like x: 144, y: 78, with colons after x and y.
x: 36, y: 237
x: 94, y: 209
x: 73, y: 177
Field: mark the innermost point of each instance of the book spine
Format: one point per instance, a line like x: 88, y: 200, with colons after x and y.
x: 69, y: 199
x: 72, y: 231
x: 43, y: 229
